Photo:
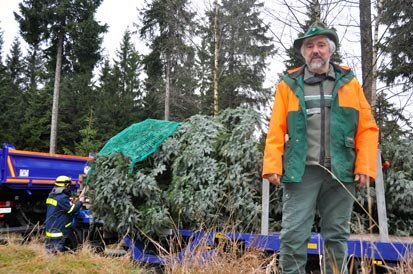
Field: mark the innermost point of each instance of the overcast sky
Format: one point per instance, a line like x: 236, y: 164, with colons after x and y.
x: 118, y: 14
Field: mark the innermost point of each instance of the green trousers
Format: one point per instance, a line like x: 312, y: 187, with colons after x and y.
x: 317, y: 192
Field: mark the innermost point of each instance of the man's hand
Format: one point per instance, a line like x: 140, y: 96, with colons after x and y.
x: 361, y: 180
x: 274, y: 179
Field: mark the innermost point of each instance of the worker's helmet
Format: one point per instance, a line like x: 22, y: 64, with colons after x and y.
x: 63, y: 181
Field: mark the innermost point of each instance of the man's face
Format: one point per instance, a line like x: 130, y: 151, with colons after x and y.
x: 316, y: 52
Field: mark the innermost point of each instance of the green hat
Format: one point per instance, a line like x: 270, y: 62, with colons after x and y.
x: 317, y: 28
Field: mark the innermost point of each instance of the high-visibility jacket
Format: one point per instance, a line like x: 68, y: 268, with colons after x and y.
x: 60, y: 212
x: 353, y: 131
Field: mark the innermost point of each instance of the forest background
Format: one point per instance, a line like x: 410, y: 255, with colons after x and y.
x: 165, y: 63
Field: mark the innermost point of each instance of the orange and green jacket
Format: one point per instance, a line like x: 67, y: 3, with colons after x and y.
x: 353, y: 131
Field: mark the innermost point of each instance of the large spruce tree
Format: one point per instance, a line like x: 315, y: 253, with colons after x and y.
x: 71, y: 37
x: 119, y: 91
x: 243, y: 50
x: 167, y: 26
x: 398, y: 16
x: 396, y: 71
x: 14, y: 107
x: 6, y: 96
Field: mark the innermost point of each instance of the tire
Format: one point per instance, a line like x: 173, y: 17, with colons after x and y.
x: 95, y: 239
x: 74, y: 240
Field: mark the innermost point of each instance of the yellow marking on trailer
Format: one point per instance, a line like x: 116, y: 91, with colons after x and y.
x: 43, y: 181
x: 377, y: 262
x: 219, y: 235
x: 32, y: 153
x: 10, y: 180
x: 11, y: 168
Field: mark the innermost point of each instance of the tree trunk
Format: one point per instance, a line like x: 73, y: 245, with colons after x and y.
x: 217, y: 39
x: 366, y: 48
x: 375, y: 49
x: 56, y: 92
x: 167, y: 91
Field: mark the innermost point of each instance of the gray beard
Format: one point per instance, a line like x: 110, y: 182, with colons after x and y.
x: 316, y: 65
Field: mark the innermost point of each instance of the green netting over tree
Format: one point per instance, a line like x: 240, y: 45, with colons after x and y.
x: 139, y: 140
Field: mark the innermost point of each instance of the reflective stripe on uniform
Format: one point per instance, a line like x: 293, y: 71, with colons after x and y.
x: 68, y: 224
x: 51, y: 201
x: 54, y: 234
x: 71, y: 208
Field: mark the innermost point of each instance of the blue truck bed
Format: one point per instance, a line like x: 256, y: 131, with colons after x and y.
x: 28, y: 170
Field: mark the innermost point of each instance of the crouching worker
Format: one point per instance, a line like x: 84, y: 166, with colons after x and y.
x: 60, y: 213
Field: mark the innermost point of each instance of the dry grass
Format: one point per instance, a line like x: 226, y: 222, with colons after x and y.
x: 224, y: 257
x: 406, y: 266
x: 33, y: 258
x: 220, y: 262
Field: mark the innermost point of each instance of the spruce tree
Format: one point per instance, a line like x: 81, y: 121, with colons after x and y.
x: 166, y: 26
x: 35, y: 128
x: 398, y: 17
x: 107, y: 107
x: 35, y: 71
x: 70, y: 36
x: 204, y: 71
x: 128, y: 68
x: 16, y: 102
x: 6, y: 96
x: 15, y: 65
x: 119, y: 90
x: 243, y: 52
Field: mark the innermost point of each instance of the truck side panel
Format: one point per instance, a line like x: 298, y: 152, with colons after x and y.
x: 29, y: 170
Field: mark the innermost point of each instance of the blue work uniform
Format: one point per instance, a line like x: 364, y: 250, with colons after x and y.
x: 59, y: 217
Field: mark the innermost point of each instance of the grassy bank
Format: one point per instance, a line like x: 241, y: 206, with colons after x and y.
x: 33, y: 258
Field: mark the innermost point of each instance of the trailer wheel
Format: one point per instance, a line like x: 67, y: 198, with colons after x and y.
x: 96, y: 240
x: 74, y: 240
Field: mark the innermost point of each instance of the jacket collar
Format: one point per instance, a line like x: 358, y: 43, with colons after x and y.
x: 312, y: 78
x: 57, y: 190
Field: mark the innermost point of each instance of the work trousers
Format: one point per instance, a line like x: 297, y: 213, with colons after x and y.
x: 318, y: 191
x: 55, y: 245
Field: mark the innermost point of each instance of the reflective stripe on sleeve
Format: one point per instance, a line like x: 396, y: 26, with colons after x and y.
x: 68, y: 224
x: 54, y: 234
x: 71, y: 208
x: 51, y: 201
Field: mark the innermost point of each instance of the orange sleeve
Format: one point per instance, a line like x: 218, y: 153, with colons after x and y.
x: 274, y: 144
x: 366, y: 137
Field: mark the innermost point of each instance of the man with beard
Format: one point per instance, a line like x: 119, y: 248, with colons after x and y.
x: 322, y: 141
